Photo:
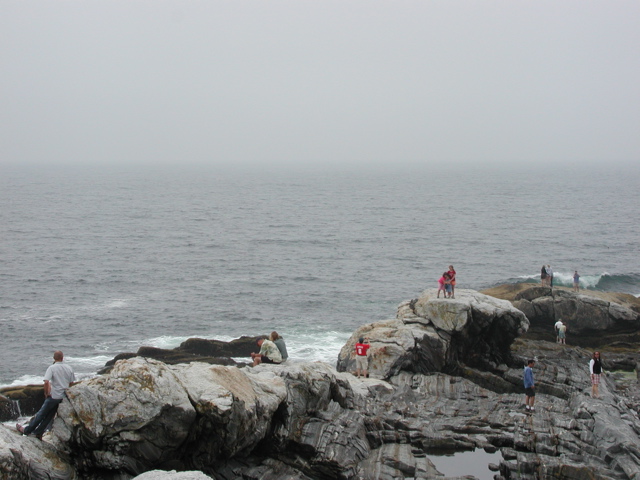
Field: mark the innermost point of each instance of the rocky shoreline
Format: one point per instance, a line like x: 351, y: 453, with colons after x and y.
x: 446, y: 377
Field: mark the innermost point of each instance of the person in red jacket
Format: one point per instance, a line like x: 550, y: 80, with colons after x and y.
x: 362, y: 361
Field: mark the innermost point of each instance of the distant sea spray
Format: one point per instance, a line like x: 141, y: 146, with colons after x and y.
x: 603, y: 282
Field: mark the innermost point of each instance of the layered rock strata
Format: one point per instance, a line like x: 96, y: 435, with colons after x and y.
x: 309, y: 421
x: 593, y: 319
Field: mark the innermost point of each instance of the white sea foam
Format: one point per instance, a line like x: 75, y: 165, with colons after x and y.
x: 25, y: 380
x: 566, y: 279
x: 81, y: 362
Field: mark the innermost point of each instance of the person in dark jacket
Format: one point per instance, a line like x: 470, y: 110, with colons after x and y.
x: 595, y: 368
x: 279, y: 341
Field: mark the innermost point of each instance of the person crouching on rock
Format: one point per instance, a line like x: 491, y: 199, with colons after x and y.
x: 529, y: 387
x: 268, y: 353
x: 441, y: 284
x: 362, y: 361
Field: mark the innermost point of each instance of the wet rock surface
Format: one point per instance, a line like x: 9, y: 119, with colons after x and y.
x: 20, y: 400
x: 309, y: 421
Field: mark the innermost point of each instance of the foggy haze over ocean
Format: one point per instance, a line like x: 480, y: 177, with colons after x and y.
x: 174, y: 169
x: 319, y: 83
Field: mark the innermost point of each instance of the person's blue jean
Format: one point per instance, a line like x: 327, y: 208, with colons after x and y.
x: 43, y: 418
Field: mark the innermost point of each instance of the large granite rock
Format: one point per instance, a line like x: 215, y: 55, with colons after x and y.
x: 133, y: 419
x: 26, y: 400
x: 308, y: 421
x: 591, y: 321
x: 440, y: 335
x: 23, y: 457
x: 145, y: 414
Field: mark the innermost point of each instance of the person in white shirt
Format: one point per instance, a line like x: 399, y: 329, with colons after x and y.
x: 57, y: 379
x: 556, y: 327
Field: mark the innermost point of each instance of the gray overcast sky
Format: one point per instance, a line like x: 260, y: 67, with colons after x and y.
x: 321, y: 82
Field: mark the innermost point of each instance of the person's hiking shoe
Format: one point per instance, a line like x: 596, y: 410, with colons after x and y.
x: 527, y: 408
x: 20, y: 428
x: 533, y: 409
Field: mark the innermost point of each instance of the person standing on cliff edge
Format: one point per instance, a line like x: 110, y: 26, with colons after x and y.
x: 529, y: 387
x: 452, y: 277
x: 57, y: 379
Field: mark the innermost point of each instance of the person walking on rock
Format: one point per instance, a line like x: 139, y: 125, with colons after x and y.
x: 595, y: 368
x: 57, y: 379
x: 441, y: 284
x: 362, y: 361
x: 529, y: 387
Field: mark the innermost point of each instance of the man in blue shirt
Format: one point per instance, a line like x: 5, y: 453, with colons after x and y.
x: 529, y: 387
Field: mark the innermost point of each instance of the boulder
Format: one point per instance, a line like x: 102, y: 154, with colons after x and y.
x: 235, y: 408
x: 239, y: 347
x: 215, y: 352
x: 591, y: 321
x: 134, y: 419
x: 440, y: 335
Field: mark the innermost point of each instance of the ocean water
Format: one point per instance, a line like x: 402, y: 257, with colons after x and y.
x: 101, y: 260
